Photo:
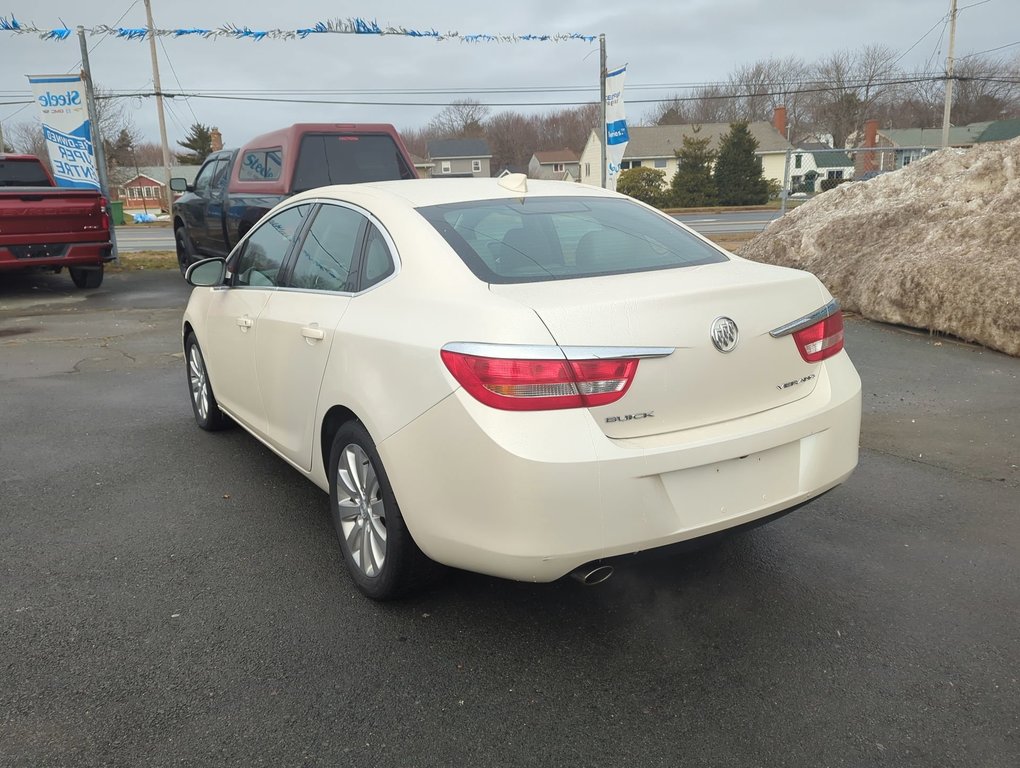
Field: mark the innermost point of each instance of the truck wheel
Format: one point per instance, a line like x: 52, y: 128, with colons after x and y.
x: 87, y: 277
x: 185, y: 253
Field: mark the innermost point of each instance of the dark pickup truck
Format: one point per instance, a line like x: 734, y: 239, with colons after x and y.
x: 43, y: 226
x: 235, y: 187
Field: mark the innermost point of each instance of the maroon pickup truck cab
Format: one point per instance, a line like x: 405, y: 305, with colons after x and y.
x: 234, y: 188
x: 43, y: 226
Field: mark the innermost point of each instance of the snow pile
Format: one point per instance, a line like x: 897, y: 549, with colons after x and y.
x: 935, y: 245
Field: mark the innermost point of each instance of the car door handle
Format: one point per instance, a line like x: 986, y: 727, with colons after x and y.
x: 313, y: 333
x: 245, y: 322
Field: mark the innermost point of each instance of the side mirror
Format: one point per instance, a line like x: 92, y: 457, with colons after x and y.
x: 207, y: 273
x: 179, y: 184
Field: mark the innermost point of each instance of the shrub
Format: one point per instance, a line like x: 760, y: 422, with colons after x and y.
x: 644, y: 184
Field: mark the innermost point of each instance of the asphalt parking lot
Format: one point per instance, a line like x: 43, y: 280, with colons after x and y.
x: 172, y: 597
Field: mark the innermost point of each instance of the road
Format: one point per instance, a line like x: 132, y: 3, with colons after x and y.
x: 131, y: 239
x: 726, y: 223
x: 173, y: 597
x: 138, y: 237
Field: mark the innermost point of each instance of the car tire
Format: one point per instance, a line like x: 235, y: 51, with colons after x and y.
x: 381, y: 556
x: 185, y: 253
x: 203, y: 402
x: 86, y: 277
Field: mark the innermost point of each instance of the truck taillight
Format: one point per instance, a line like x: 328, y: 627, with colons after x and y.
x: 104, y: 214
x: 539, y: 385
x: 821, y: 340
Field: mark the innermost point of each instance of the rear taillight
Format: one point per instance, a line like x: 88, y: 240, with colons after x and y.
x: 104, y: 214
x: 538, y: 385
x: 821, y: 340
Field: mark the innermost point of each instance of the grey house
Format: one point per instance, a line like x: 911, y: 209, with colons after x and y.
x: 459, y: 158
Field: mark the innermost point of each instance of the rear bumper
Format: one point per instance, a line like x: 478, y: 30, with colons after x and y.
x: 531, y: 496
x: 49, y: 255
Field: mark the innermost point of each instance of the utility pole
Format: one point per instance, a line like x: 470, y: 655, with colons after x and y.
x: 602, y: 83
x: 949, y: 74
x: 98, y: 149
x: 168, y: 195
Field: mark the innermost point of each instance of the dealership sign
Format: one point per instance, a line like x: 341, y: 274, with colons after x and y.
x: 616, y: 125
x: 66, y: 128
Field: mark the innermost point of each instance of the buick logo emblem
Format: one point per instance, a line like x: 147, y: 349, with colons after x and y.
x: 724, y: 334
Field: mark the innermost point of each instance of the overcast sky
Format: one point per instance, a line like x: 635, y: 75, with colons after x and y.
x: 682, y: 41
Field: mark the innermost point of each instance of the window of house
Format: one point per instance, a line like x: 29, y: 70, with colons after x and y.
x: 660, y: 163
x: 445, y: 166
x: 476, y: 166
x: 587, y: 169
x: 797, y: 161
x: 557, y: 167
x: 630, y: 164
x: 835, y: 174
x: 146, y: 191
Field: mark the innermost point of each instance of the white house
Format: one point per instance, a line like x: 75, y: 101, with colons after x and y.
x: 655, y: 146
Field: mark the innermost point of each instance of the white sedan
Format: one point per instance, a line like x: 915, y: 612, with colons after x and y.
x: 519, y: 378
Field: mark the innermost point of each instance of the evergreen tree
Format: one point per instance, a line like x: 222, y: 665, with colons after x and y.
x: 738, y: 172
x: 199, y: 141
x: 692, y: 184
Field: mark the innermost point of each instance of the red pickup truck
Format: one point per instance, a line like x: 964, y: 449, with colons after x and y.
x: 43, y: 226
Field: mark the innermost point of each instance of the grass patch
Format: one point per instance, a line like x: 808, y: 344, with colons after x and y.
x: 732, y: 241
x: 130, y: 262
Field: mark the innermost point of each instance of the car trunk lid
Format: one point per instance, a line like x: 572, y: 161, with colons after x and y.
x: 697, y: 384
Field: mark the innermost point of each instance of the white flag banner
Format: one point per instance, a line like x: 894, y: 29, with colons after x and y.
x: 66, y: 128
x: 616, y: 125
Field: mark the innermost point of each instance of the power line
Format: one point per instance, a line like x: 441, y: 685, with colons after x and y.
x: 174, y: 72
x: 943, y: 20
x: 990, y: 50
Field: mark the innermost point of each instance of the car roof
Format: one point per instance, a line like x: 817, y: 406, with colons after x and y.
x: 424, y: 192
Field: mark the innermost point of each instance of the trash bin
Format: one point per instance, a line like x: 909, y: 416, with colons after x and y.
x: 117, y: 212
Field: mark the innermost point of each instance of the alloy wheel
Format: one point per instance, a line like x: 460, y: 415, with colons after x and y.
x: 199, y: 382
x: 361, y: 510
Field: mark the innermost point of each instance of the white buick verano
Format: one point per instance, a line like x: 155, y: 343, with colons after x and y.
x: 519, y: 378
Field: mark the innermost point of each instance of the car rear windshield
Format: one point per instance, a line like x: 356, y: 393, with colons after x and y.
x: 23, y: 173
x: 554, y: 238
x: 345, y: 158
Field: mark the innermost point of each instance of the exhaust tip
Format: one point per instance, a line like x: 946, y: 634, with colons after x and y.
x: 592, y: 575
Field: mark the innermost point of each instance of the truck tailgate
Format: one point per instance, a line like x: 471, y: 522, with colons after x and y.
x: 51, y: 215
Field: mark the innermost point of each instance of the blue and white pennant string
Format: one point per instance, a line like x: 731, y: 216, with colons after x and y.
x: 348, y: 26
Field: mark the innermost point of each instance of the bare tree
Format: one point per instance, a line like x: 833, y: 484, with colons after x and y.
x: 986, y: 89
x: 27, y: 139
x: 460, y: 120
x: 850, y: 86
x: 512, y: 139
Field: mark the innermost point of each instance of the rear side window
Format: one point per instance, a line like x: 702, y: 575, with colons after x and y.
x: 263, y: 253
x: 327, y: 253
x: 261, y: 165
x: 556, y: 238
x: 326, y: 159
x: 23, y: 173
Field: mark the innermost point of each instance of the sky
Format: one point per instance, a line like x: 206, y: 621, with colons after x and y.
x: 663, y: 44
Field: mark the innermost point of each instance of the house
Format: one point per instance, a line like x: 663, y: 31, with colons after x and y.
x: 655, y: 146
x: 421, y: 165
x: 811, y: 163
x: 459, y: 158
x: 909, y: 144
x: 557, y: 165
x: 144, y: 188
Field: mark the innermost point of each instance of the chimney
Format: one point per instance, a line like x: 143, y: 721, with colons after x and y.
x: 871, y: 133
x: 216, y: 139
x: 869, y: 160
x: 779, y: 120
